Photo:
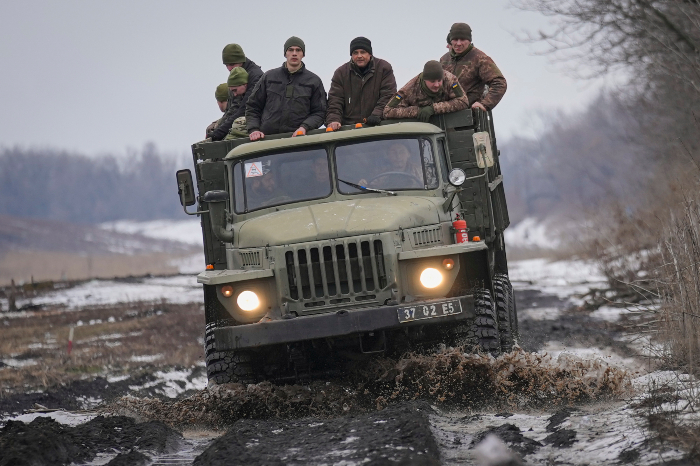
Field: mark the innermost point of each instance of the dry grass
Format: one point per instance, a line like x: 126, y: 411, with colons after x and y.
x: 23, y: 266
x: 111, y: 339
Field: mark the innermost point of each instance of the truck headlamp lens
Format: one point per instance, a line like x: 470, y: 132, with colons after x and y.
x: 248, y: 300
x: 431, y: 278
x: 457, y: 177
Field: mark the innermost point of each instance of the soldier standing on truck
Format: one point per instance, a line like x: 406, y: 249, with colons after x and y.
x: 287, y: 99
x: 233, y: 57
x: 361, y: 88
x: 434, y: 91
x: 221, y: 96
x: 237, y: 86
x: 477, y: 73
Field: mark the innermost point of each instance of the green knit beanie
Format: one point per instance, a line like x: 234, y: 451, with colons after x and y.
x: 461, y: 31
x: 221, y: 93
x: 294, y: 41
x: 233, y: 53
x: 432, y: 71
x: 238, y: 77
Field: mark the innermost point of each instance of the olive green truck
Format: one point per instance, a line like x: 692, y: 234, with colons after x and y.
x: 334, y: 244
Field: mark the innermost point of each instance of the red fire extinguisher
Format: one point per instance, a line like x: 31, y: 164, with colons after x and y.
x: 460, y: 227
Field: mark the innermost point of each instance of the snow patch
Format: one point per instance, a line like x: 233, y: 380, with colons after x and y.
x: 186, y: 231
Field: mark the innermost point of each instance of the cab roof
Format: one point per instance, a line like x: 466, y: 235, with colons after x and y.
x: 394, y: 129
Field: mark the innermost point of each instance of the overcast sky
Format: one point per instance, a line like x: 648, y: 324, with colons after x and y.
x: 102, y: 77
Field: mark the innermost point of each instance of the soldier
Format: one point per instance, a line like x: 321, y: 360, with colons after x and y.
x: 474, y: 68
x: 288, y: 98
x: 434, y: 91
x: 221, y: 95
x: 361, y: 88
x: 233, y: 57
x: 237, y: 87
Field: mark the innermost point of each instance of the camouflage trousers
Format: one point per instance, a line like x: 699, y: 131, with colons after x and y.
x: 238, y: 129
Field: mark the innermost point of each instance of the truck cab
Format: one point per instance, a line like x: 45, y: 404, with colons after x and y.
x: 350, y: 241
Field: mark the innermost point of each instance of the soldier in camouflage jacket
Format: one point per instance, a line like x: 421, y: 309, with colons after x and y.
x: 417, y: 100
x: 474, y: 69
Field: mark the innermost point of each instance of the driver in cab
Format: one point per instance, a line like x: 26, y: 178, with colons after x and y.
x: 402, y: 170
x: 263, y: 189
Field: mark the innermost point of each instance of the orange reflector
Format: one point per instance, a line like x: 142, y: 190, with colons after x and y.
x: 300, y: 133
x: 210, y: 266
x: 476, y: 238
x: 227, y: 291
x: 329, y: 130
x: 448, y: 264
x: 358, y: 125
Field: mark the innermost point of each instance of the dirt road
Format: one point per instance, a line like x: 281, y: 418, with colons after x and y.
x: 132, y: 391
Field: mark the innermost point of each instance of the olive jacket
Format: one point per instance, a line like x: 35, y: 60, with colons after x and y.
x: 237, y: 105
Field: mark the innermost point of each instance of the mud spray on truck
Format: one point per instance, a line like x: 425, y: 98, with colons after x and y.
x: 340, y: 244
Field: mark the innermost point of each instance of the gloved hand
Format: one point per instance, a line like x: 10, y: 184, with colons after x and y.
x: 425, y: 113
x: 373, y: 120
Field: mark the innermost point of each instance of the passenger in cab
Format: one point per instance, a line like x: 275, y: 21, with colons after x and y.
x: 233, y: 57
x: 432, y: 92
x: 237, y: 87
x: 361, y: 88
x: 221, y: 96
x: 263, y: 189
x: 478, y: 74
x: 287, y: 99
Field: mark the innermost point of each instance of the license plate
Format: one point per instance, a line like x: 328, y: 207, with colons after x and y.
x: 429, y: 311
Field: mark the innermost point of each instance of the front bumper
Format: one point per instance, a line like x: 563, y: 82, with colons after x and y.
x: 337, y: 324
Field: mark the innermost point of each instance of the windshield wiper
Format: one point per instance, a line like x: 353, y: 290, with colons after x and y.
x: 365, y: 188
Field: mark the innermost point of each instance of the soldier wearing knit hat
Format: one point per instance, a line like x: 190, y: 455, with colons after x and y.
x: 478, y: 74
x: 360, y: 88
x: 234, y: 58
x: 432, y: 92
x: 221, y: 96
x: 297, y: 100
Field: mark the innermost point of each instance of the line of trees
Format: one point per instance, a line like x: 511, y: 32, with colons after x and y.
x: 57, y: 185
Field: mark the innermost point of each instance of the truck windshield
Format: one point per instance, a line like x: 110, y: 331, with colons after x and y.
x: 276, y: 179
x: 392, y: 165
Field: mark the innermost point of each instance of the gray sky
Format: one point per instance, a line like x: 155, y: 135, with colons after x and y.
x: 97, y: 76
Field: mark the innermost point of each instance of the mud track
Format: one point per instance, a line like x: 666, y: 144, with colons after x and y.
x: 436, y: 408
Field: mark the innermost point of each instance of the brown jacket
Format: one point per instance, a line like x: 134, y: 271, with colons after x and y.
x: 411, y: 97
x: 475, y: 69
x: 354, y: 96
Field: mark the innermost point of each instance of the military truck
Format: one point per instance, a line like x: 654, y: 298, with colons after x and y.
x: 336, y: 244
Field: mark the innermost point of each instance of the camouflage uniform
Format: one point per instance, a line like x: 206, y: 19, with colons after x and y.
x: 475, y: 69
x: 238, y: 129
x: 411, y: 97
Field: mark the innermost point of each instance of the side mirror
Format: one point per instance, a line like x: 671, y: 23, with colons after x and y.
x: 482, y: 147
x: 185, y: 187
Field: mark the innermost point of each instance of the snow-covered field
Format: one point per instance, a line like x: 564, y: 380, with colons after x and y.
x: 594, y: 433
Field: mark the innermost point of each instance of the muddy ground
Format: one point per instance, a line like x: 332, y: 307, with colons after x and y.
x: 132, y: 391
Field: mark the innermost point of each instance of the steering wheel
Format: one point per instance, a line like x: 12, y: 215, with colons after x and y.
x: 404, y: 174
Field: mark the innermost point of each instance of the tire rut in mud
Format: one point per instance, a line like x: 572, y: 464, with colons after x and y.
x: 399, y: 434
x: 47, y: 442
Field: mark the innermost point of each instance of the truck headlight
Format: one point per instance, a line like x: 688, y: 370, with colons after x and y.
x: 248, y: 300
x: 430, y: 278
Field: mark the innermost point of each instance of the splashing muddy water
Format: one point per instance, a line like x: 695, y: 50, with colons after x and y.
x: 450, y: 378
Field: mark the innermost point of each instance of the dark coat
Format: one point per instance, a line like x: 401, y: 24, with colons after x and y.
x: 282, y: 102
x: 354, y: 96
x: 236, y: 105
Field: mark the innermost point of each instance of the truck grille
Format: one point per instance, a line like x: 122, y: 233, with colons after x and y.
x: 336, y: 272
x: 250, y: 258
x: 426, y: 237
